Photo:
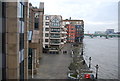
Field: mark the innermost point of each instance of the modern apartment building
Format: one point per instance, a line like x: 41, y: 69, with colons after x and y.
x: 54, y: 34
x: 75, y: 30
x: 21, y: 39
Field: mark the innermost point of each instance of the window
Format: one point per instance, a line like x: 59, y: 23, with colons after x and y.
x: 72, y: 28
x: 55, y: 22
x: 62, y: 40
x: 47, y: 17
x: 36, y: 25
x: 21, y: 11
x: 46, y: 40
x: 46, y: 34
x: 55, y: 29
x: 21, y: 42
x: 37, y: 15
x: 46, y: 29
x: 46, y: 23
x: 30, y: 35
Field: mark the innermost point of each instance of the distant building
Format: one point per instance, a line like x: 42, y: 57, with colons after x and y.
x: 75, y: 30
x: 109, y: 31
x: 99, y: 32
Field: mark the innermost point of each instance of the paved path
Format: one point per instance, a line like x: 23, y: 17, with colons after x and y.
x: 54, y: 66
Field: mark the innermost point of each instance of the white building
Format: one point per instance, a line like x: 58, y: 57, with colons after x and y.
x: 54, y: 34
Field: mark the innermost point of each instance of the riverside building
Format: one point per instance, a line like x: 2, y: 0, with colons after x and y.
x: 21, y: 39
x: 75, y: 30
x: 54, y: 33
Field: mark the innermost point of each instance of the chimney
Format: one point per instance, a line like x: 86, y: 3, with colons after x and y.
x: 41, y: 5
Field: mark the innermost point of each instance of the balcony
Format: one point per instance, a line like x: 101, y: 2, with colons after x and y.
x: 55, y: 43
x: 54, y: 31
x: 55, y: 37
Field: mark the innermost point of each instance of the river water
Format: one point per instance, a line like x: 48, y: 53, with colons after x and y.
x: 103, y: 52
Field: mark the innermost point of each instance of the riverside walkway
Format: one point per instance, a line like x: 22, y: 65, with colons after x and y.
x: 57, y: 66
x: 54, y: 66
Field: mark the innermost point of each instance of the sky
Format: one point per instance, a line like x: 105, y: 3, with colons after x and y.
x: 98, y: 15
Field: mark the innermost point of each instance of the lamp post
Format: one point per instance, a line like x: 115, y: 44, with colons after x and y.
x: 90, y: 62
x: 82, y: 52
x: 97, y: 71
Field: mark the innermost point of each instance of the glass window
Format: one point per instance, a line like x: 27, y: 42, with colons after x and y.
x: 55, y: 22
x: 21, y: 41
x: 46, y: 23
x: 36, y: 25
x: 30, y: 35
x: 47, y: 17
x: 46, y: 40
x: 46, y: 34
x: 46, y: 29
x: 62, y: 40
x: 55, y: 29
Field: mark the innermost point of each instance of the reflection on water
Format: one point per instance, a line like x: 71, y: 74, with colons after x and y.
x: 104, y: 52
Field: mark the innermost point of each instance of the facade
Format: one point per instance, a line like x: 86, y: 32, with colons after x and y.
x: 15, y: 44
x: 35, y: 37
x: 77, y: 30
x: 54, y: 34
x: 21, y: 40
x: 70, y: 33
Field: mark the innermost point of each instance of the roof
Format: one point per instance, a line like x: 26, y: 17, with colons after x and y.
x: 72, y: 20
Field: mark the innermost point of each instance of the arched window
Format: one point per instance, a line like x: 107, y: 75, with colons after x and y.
x: 55, y: 22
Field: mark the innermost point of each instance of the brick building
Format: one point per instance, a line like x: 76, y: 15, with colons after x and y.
x: 70, y: 33
x: 35, y: 37
x: 75, y: 30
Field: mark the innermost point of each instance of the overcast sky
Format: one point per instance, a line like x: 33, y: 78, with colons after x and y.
x: 98, y: 15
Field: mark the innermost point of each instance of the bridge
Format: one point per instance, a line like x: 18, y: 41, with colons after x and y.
x: 102, y: 35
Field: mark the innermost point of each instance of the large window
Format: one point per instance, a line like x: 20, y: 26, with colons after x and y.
x: 55, y: 29
x: 47, y: 17
x: 55, y: 22
x: 21, y: 37
x: 55, y: 35
x: 46, y: 34
x: 36, y: 25
x: 46, y: 29
x: 46, y: 23
x: 46, y: 40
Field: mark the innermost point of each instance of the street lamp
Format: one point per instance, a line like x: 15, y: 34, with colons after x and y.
x: 90, y: 62
x: 97, y: 71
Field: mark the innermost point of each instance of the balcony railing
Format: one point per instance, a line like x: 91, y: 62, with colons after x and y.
x: 54, y: 36
x: 55, y: 31
x: 55, y: 43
